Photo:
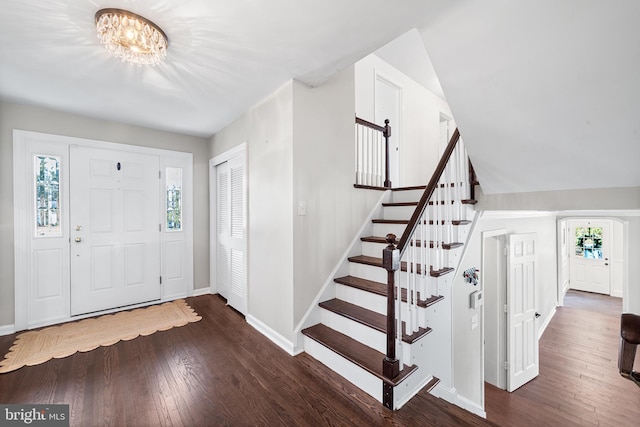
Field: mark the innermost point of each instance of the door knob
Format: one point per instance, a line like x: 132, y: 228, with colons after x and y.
x: 537, y: 314
x: 78, y: 239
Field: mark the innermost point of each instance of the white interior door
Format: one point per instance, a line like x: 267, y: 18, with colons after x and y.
x: 115, y: 229
x: 387, y: 106
x: 230, y: 225
x: 589, y: 265
x: 522, y: 333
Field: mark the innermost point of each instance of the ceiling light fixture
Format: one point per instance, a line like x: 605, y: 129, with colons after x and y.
x: 131, y: 37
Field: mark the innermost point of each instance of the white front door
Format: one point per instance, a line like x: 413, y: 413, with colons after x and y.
x: 114, y: 229
x: 522, y: 333
x: 590, y: 253
x: 230, y: 232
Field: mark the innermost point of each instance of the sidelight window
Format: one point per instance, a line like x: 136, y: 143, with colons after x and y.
x: 47, y: 196
x: 174, y: 199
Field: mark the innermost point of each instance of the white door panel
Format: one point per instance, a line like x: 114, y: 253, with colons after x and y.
x: 589, y: 268
x: 230, y: 228
x: 388, y: 98
x: 522, y: 337
x: 115, y: 235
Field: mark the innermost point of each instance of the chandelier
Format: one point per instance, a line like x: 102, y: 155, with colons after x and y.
x: 131, y: 37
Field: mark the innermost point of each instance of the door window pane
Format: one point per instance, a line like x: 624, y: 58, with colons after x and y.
x: 47, y: 196
x: 174, y: 199
x: 589, y: 242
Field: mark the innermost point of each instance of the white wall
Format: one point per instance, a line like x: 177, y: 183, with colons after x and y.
x: 300, y: 148
x: 38, y: 119
x: 268, y: 131
x: 420, y: 125
x: 467, y: 346
x: 585, y: 199
x: 323, y: 178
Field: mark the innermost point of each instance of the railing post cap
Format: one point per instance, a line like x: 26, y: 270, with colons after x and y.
x: 391, y: 240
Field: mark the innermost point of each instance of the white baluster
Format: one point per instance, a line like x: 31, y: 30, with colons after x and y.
x: 398, y: 303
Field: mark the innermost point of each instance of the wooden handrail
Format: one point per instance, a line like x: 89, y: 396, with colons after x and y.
x: 363, y: 122
x: 428, y: 192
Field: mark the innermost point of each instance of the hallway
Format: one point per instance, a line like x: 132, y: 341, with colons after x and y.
x: 579, y: 383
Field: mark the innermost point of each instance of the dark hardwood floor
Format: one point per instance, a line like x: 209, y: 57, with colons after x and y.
x: 215, y: 372
x: 579, y: 383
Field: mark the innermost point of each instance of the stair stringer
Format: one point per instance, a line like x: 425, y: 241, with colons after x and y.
x: 443, y: 366
x: 327, y: 292
x: 439, y: 317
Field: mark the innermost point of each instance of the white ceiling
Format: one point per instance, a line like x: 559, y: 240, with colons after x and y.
x: 546, y: 93
x: 224, y: 56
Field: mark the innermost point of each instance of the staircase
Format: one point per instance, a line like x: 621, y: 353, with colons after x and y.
x: 389, y: 347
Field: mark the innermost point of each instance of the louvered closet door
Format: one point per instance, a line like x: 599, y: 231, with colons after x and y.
x: 230, y: 218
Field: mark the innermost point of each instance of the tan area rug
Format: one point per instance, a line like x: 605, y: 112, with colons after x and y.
x: 35, y: 347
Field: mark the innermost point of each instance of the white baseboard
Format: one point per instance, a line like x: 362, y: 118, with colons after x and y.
x: 617, y: 294
x: 7, y: 330
x: 451, y: 395
x: 274, y: 336
x: 443, y: 392
x: 546, y: 322
x: 409, y: 395
x: 201, y: 291
x: 471, y: 406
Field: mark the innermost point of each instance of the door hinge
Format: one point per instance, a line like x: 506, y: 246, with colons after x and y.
x: 160, y: 228
x: 159, y: 174
x: 161, y: 280
x: 506, y: 366
x: 506, y: 250
x: 506, y: 308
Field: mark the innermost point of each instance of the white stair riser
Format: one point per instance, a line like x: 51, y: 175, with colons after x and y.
x: 350, y: 371
x: 362, y: 298
x: 372, y: 249
x: 407, y: 196
x: 398, y: 212
x: 383, y: 229
x: 364, y: 334
x: 378, y: 303
x: 370, y: 272
x: 359, y: 332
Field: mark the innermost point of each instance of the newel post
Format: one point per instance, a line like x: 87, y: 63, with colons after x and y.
x: 387, y: 134
x: 390, y: 365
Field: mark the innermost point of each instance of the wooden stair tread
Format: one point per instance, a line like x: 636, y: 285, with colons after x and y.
x: 381, y: 289
x: 406, y: 221
x: 369, y: 318
x: 367, y: 260
x: 363, y: 284
x: 453, y: 222
x: 397, y: 204
x: 379, y: 239
x: 432, y: 384
x: 390, y: 221
x: 417, y: 187
x: 377, y: 262
x: 356, y: 352
x: 370, y: 187
x: 463, y: 201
